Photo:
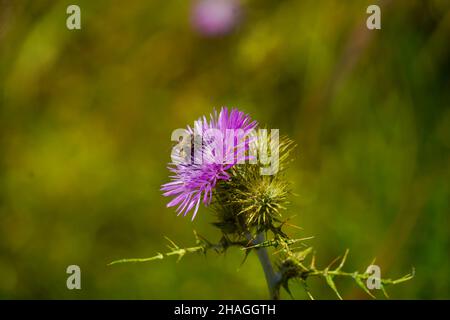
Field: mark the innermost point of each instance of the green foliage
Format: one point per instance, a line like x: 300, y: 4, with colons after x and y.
x: 293, y: 266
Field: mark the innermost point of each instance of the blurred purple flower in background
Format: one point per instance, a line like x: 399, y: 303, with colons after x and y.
x: 215, y: 17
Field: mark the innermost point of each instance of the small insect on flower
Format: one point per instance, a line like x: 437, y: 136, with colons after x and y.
x: 194, y: 177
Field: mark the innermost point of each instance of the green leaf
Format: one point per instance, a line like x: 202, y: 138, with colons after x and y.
x: 361, y: 284
x: 330, y: 282
x: 159, y: 256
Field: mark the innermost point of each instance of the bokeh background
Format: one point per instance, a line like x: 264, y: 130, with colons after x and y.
x: 86, y: 117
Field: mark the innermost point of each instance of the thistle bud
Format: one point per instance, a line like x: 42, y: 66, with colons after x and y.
x: 251, y: 201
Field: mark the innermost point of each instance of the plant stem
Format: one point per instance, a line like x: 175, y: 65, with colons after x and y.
x: 272, y: 277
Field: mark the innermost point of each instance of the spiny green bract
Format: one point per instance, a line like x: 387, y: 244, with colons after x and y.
x: 249, y: 200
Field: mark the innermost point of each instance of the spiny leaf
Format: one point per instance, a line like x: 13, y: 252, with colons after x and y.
x: 246, y: 254
x: 331, y: 284
x: 333, y: 262
x: 174, y: 246
x: 361, y: 284
x: 303, y: 254
x: 275, y: 243
x: 286, y: 287
x: 179, y: 252
x: 159, y: 256
x: 384, y: 291
x: 342, y: 261
x: 313, y: 262
x: 305, y: 287
x: 406, y: 277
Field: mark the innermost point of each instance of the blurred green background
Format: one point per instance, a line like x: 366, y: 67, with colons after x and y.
x: 86, y: 117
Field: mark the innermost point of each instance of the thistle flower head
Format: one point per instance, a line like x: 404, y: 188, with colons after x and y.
x: 195, y: 176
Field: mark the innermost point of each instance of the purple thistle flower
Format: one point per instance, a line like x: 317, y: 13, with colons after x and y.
x: 193, y: 180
